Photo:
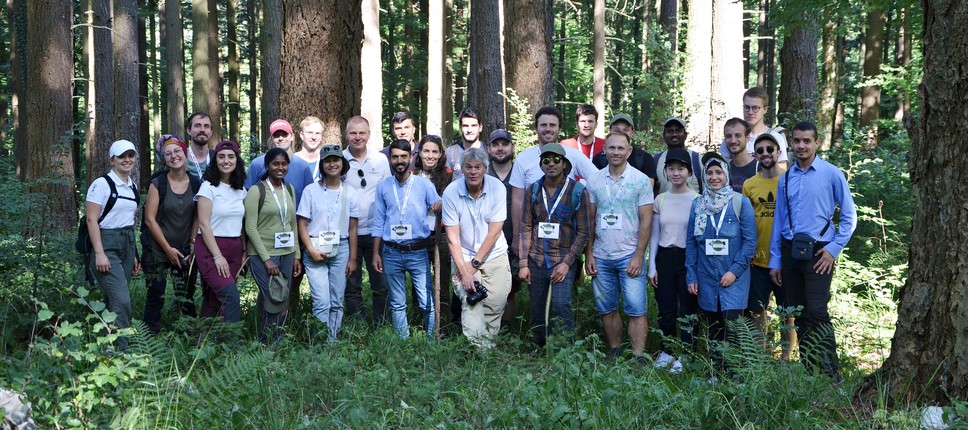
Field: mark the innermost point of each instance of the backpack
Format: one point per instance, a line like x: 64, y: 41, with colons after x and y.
x: 83, y: 242
x: 575, y: 196
x: 194, y: 184
x: 262, y: 193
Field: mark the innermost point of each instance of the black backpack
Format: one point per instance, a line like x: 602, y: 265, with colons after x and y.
x: 83, y: 242
x: 162, y: 177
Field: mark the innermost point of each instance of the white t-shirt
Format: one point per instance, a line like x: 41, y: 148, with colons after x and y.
x: 228, y: 208
x: 122, y: 215
x: 473, y: 216
x: 374, y: 167
x: 527, y: 166
x: 672, y: 214
x: 320, y: 205
x: 623, y: 197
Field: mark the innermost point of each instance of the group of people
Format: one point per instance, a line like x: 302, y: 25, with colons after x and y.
x: 714, y: 234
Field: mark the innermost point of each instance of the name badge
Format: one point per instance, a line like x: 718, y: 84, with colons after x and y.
x: 285, y: 239
x: 327, y: 237
x: 717, y: 246
x: 610, y: 221
x: 431, y: 221
x: 548, y: 230
x: 401, y: 232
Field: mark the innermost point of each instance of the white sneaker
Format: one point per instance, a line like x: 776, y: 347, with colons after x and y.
x: 664, y: 360
x: 676, y: 367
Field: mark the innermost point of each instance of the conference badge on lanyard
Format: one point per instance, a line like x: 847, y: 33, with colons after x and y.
x: 717, y: 246
x: 550, y: 230
x: 283, y: 239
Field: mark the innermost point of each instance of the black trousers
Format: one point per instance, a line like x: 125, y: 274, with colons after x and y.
x: 673, y: 298
x: 353, y: 297
x: 811, y: 290
x: 183, y: 283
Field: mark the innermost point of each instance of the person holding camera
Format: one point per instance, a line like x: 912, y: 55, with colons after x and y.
x: 553, y: 234
x: 401, y: 207
x: 474, y: 211
x: 171, y: 225
x: 804, y: 243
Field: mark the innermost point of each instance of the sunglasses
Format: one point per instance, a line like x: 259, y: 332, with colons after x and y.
x: 767, y: 149
x: 362, y: 179
x: 331, y: 148
x: 554, y: 159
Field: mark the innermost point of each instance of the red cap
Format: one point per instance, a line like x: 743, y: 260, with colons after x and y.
x: 280, y: 124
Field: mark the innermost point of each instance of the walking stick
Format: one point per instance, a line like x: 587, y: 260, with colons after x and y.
x: 437, y: 280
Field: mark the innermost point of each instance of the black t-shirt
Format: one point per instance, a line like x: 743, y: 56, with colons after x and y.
x: 640, y: 160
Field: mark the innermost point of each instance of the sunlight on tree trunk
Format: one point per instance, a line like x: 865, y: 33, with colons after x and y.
x: 271, y: 44
x: 435, y: 66
x: 485, y: 81
x: 205, y: 89
x: 726, y: 69
x: 827, y: 107
x: 798, y: 74
x: 175, y: 71
x: 233, y: 69
x: 598, y: 80
x: 371, y: 103
x: 104, y: 119
x: 698, y: 83
x: 528, y: 30
x: 871, y: 95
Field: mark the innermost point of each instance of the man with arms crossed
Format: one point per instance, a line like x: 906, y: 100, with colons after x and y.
x: 804, y: 243
x: 622, y: 208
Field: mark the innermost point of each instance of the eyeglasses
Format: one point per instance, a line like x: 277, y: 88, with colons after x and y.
x: 362, y: 179
x: 332, y: 148
x: 754, y: 109
x: 768, y: 149
x: 554, y: 159
x: 169, y: 154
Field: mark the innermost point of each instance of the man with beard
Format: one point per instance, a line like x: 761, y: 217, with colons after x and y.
x: 299, y: 174
x: 367, y: 168
x: 761, y: 190
x: 199, y: 130
x: 674, y: 134
x: 470, y: 131
x: 311, y: 137
x: 501, y: 150
x: 742, y: 166
x: 587, y: 118
x: 756, y: 104
x: 401, y: 207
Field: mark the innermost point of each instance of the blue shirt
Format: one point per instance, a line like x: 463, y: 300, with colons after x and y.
x: 299, y: 175
x: 813, y: 194
x: 386, y: 207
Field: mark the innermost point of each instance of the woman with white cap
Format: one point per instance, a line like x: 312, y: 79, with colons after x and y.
x: 112, y: 203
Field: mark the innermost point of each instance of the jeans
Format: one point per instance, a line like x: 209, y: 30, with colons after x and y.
x: 563, y: 319
x: 396, y: 263
x: 805, y: 287
x: 673, y: 298
x: 612, y: 276
x: 378, y: 286
x: 327, y: 284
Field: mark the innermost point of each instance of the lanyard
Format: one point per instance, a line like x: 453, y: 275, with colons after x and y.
x: 722, y: 217
x: 335, y: 208
x: 561, y: 193
x: 198, y: 167
x: 406, y: 197
x: 608, y: 190
x: 283, y: 208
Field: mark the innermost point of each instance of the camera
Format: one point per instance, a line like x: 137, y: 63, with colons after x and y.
x: 480, y: 293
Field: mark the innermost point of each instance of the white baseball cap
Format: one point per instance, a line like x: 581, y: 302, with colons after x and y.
x: 121, y: 146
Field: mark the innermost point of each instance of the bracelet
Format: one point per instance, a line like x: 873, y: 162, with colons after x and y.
x: 216, y: 258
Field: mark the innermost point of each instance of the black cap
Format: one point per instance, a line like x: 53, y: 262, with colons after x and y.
x: 679, y: 155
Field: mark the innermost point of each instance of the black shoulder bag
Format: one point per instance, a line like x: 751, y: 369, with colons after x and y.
x: 802, y: 244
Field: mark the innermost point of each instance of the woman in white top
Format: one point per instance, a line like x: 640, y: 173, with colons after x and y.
x: 667, y: 259
x: 328, y: 215
x: 112, y: 203
x: 220, y: 213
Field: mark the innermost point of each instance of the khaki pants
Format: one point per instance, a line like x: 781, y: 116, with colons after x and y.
x: 482, y: 321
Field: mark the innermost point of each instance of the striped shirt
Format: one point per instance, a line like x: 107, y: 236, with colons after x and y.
x: 573, y: 226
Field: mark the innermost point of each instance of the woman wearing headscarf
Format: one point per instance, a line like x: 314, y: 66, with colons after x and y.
x: 720, y: 242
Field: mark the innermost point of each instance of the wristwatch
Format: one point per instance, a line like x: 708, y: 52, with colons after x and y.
x: 476, y: 263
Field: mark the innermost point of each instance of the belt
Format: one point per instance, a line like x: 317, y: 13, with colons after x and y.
x: 416, y: 246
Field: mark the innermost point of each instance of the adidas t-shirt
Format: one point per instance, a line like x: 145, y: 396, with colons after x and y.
x: 762, y: 193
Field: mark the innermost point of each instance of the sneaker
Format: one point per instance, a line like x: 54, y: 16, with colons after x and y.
x: 664, y: 360
x: 676, y: 367
x: 614, y: 354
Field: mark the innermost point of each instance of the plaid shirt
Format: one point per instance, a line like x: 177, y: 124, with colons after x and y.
x: 573, y: 230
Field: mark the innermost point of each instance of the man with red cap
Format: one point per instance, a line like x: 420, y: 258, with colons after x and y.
x: 300, y: 173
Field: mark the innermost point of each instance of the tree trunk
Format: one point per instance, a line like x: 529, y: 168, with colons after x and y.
x: 175, y: 69
x: 726, y: 68
x: 271, y: 38
x: 252, y: 18
x: 929, y: 358
x: 205, y: 88
x: 154, y: 70
x: 598, y: 71
x: 669, y: 21
x: 645, y: 104
x: 371, y: 66
x: 5, y: 61
x: 321, y: 41
x: 902, y: 57
x: 485, y: 80
x: 163, y: 72
x: 613, y: 73
x: 233, y: 69
x: 104, y: 118
x: 871, y: 95
x: 560, y: 81
x: 698, y: 83
x: 17, y: 12
x: 144, y: 112
x: 527, y: 28
x: 51, y: 65
x: 435, y: 66
x: 798, y: 76
x: 126, y: 71
x: 447, y: 103
x: 827, y: 108
x: 90, y: 61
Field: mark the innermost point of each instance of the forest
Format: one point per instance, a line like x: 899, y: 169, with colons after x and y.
x: 882, y: 79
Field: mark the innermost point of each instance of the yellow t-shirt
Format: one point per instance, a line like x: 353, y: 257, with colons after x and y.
x: 762, y: 193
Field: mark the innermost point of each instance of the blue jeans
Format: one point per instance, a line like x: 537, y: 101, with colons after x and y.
x: 395, y: 265
x: 327, y: 284
x: 563, y: 319
x: 612, y: 278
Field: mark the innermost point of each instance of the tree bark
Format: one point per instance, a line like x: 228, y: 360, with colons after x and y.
x: 105, y: 121
x: 527, y: 29
x: 126, y: 71
x: 48, y: 157
x: 645, y: 104
x: 669, y: 21
x: 321, y: 76
x: 271, y: 45
x: 929, y: 353
x: 871, y: 95
x: 485, y: 82
x: 798, y: 76
x: 371, y: 62
x: 90, y: 61
x: 435, y: 66
x: 827, y: 108
x: 204, y: 61
x: 726, y: 68
x: 598, y: 71
x: 252, y: 18
x: 698, y: 83
x: 175, y: 70
x: 233, y: 69
x: 144, y: 111
x: 902, y: 57
x: 17, y: 12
